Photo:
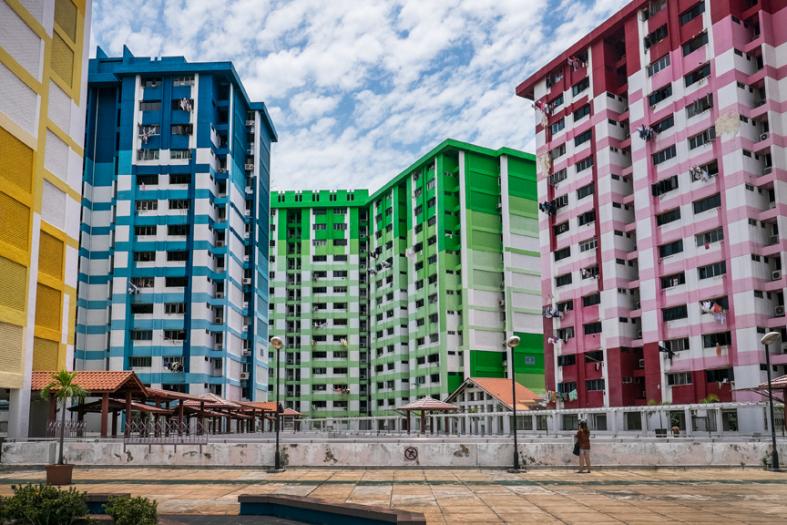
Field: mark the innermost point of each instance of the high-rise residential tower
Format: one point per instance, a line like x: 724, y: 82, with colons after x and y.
x: 404, y: 293
x: 661, y: 173
x: 174, y: 250
x: 43, y: 66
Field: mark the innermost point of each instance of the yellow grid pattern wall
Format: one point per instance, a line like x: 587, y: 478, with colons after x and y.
x: 26, y: 240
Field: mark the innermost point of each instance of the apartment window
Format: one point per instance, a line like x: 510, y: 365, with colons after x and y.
x: 566, y: 387
x: 700, y: 139
x: 591, y: 300
x: 668, y: 217
x: 722, y: 375
x: 664, y: 155
x: 148, y: 256
x: 655, y: 36
x: 664, y: 124
x: 562, y: 253
x: 558, y: 126
x: 583, y: 137
x: 584, y: 164
x: 709, y: 237
x: 557, y: 152
x: 180, y: 255
x: 594, y: 385
x: 582, y: 112
x: 665, y: 186
x: 562, y: 280
x: 340, y: 226
x: 674, y: 313
x: 143, y: 282
x: 691, y: 13
x: 677, y: 345
x: 183, y: 81
x: 712, y: 270
x: 175, y: 282
x: 179, y: 204
x: 560, y: 228
x: 150, y: 105
x: 675, y: 279
x: 660, y: 94
x: 671, y: 248
x: 658, y: 65
x: 708, y: 203
x: 566, y: 360
x: 679, y: 378
x: 177, y: 229
x: 580, y: 86
x: 697, y: 75
x: 147, y: 180
x: 145, y: 230
x: 180, y: 178
x: 587, y: 245
x: 174, y: 335
x: 141, y: 335
x: 147, y: 154
x: 584, y: 191
x: 700, y: 105
x: 557, y: 101
x: 719, y: 338
x: 587, y: 217
x: 141, y: 362
x: 695, y: 43
x: 151, y: 83
x: 180, y: 154
x: 174, y: 308
x: 142, y: 308
x: 592, y: 328
x: 182, y: 129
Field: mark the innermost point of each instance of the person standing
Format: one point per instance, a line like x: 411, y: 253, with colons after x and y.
x: 583, y: 440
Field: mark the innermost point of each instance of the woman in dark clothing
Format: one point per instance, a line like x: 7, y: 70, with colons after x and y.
x: 583, y: 439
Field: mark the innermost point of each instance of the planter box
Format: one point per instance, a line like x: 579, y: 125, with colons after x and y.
x: 59, y: 474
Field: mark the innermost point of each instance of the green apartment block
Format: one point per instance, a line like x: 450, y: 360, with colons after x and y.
x: 385, y: 298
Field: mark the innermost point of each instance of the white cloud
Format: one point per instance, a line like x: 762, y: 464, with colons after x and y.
x: 359, y: 89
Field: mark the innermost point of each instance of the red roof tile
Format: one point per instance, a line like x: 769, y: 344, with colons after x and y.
x: 98, y: 381
x: 500, y: 389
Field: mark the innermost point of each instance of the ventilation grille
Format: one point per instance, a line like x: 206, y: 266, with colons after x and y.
x: 45, y: 354
x: 62, y: 59
x: 50, y: 256
x: 11, y: 356
x: 16, y: 161
x: 66, y: 17
x: 48, y: 307
x: 14, y: 222
x: 13, y: 280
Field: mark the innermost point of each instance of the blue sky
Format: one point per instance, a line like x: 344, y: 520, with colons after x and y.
x: 359, y: 89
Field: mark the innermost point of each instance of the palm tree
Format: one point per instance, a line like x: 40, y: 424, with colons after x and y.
x: 62, y: 387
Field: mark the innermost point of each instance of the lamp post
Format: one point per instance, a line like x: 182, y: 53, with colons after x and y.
x: 512, y: 343
x: 277, y: 344
x: 767, y: 339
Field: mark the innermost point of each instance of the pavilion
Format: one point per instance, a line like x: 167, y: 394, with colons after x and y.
x: 426, y: 405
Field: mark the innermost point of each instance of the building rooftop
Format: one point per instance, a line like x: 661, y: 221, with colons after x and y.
x: 500, y: 389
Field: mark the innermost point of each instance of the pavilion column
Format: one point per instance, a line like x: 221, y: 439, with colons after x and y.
x: 201, y: 429
x: 81, y: 417
x: 423, y: 421
x: 180, y: 417
x: 127, y: 430
x: 408, y: 421
x: 114, y: 424
x: 104, y: 413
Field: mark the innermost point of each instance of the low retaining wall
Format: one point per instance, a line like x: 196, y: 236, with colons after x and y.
x: 404, y: 453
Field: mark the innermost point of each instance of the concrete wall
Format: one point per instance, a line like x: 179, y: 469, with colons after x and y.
x: 662, y: 453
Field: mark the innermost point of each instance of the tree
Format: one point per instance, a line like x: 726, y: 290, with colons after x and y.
x: 63, y: 387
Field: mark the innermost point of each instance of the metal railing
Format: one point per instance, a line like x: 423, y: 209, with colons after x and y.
x: 73, y: 429
x: 162, y: 432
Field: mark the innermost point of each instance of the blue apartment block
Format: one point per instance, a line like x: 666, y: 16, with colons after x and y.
x: 173, y: 260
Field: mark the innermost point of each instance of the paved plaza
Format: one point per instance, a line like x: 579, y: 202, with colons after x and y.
x: 541, y: 496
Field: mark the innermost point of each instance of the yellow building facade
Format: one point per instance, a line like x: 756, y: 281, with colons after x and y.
x: 43, y: 70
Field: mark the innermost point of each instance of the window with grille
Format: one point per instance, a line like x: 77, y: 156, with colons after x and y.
x: 712, y: 270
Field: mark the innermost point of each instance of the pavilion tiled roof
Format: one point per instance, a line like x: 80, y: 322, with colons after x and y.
x: 94, y: 381
x: 500, y: 389
x: 428, y: 404
x: 269, y: 406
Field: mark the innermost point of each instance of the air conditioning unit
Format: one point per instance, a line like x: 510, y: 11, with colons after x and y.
x: 641, y: 363
x: 247, y: 280
x: 248, y: 166
x: 219, y: 295
x: 218, y: 320
x: 246, y: 353
x: 780, y: 310
x: 764, y: 136
x: 245, y: 305
x: 218, y: 346
x: 773, y: 239
x: 501, y: 302
x: 249, y: 122
x: 776, y: 275
x: 767, y: 169
x: 244, y: 376
x: 219, y: 243
x: 627, y: 380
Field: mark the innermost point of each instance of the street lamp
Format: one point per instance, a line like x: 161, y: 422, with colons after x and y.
x: 277, y: 344
x: 512, y: 343
x: 767, y: 339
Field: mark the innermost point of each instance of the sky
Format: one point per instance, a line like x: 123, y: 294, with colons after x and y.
x: 359, y: 89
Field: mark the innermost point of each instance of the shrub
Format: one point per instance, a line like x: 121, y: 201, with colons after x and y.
x: 126, y: 510
x: 44, y: 505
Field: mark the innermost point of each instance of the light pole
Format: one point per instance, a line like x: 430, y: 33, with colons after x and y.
x: 512, y: 343
x: 277, y: 344
x: 767, y: 339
